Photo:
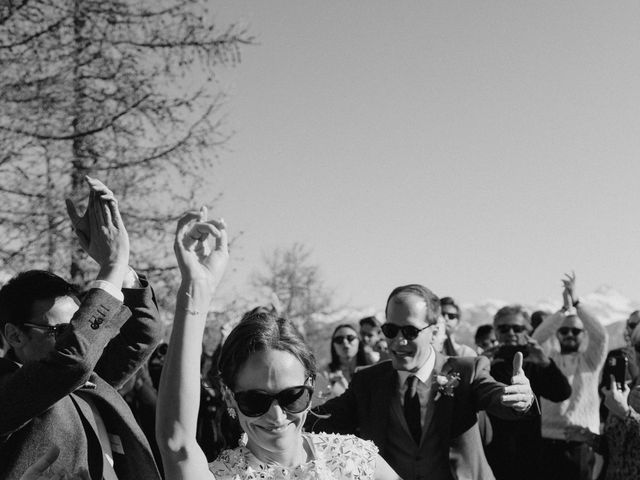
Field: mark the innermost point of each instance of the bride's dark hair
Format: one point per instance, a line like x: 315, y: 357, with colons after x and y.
x: 261, y: 330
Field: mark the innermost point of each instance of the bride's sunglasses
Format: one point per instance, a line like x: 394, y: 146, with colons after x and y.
x: 253, y: 403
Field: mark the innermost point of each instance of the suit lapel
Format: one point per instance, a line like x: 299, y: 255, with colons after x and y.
x: 440, y: 367
x: 384, y: 394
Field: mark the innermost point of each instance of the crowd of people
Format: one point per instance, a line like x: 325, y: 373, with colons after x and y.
x: 88, y: 389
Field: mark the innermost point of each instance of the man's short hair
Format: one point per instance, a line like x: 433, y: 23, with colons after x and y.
x: 19, y: 294
x: 538, y: 317
x: 483, y: 331
x: 369, y: 321
x: 430, y: 298
x: 449, y: 301
x: 510, y: 310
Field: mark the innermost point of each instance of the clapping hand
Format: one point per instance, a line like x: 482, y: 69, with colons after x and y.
x: 569, y: 293
x: 201, y: 248
x: 38, y: 471
x: 615, y: 398
x: 518, y: 395
x: 100, y: 230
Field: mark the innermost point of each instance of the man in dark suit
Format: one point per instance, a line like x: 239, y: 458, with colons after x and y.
x: 419, y: 407
x: 67, y: 357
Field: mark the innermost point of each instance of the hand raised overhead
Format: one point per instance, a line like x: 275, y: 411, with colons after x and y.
x: 100, y: 230
x: 518, y: 395
x: 201, y: 248
x: 569, y: 284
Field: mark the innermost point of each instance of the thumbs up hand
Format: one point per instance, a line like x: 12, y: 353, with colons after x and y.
x: 518, y: 395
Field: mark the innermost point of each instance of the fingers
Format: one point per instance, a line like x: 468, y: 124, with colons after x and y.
x: 44, y: 462
x: 517, y: 364
x: 612, y: 383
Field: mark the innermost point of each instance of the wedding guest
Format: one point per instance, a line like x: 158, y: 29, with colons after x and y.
x: 420, y: 408
x: 268, y: 372
x: 620, y: 439
x: 374, y: 343
x: 485, y: 338
x: 70, y: 353
x: 347, y: 354
x: 583, y: 348
x: 451, y: 313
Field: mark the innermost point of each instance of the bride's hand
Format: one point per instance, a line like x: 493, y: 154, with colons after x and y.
x: 201, y: 248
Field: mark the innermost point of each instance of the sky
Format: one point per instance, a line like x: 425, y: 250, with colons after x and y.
x: 479, y: 148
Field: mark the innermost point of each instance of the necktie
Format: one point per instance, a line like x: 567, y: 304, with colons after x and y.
x: 412, y: 408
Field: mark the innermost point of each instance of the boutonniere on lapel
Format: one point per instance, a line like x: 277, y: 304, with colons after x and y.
x: 446, y: 383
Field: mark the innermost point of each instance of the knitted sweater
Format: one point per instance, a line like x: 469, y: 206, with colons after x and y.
x: 582, y: 370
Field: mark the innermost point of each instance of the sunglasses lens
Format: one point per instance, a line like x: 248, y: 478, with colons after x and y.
x: 295, y: 399
x: 341, y: 338
x: 390, y: 330
x: 410, y: 332
x: 509, y: 328
x: 252, y: 403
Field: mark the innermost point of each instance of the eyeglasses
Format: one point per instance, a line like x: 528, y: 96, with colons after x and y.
x: 338, y: 339
x: 508, y: 328
x: 51, y: 330
x: 409, y: 332
x: 565, y: 331
x: 254, y: 403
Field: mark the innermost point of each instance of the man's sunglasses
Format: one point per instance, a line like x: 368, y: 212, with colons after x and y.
x: 51, y: 330
x: 566, y: 330
x: 409, y: 332
x: 253, y: 403
x: 338, y: 339
x: 508, y: 328
x: 450, y: 316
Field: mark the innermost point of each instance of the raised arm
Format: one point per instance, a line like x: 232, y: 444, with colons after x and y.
x: 201, y: 266
x: 138, y: 337
x: 550, y: 325
x: 30, y: 390
x: 597, y: 347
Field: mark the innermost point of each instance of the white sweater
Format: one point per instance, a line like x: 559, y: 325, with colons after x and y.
x: 582, y: 370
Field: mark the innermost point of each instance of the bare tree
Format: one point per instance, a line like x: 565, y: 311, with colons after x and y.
x: 122, y: 90
x: 298, y: 285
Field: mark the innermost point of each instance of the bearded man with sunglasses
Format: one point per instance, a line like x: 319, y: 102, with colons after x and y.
x: 69, y: 353
x: 420, y: 408
x: 581, y: 364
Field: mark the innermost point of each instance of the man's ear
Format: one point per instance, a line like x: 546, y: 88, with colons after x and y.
x: 14, y: 336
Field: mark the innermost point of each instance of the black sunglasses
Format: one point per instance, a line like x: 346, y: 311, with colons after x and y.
x: 450, y: 315
x: 338, y: 339
x: 566, y: 330
x: 51, y: 330
x: 508, y: 328
x: 409, y: 332
x: 253, y: 403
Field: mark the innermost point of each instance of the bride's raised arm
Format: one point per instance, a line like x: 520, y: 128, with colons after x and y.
x: 202, y: 252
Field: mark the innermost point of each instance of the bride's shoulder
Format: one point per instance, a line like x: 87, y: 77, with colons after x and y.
x: 336, y: 444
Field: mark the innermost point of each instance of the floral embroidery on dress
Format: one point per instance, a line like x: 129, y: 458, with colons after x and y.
x: 343, y: 457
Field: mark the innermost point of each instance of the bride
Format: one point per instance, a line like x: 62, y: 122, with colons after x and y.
x: 268, y: 372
